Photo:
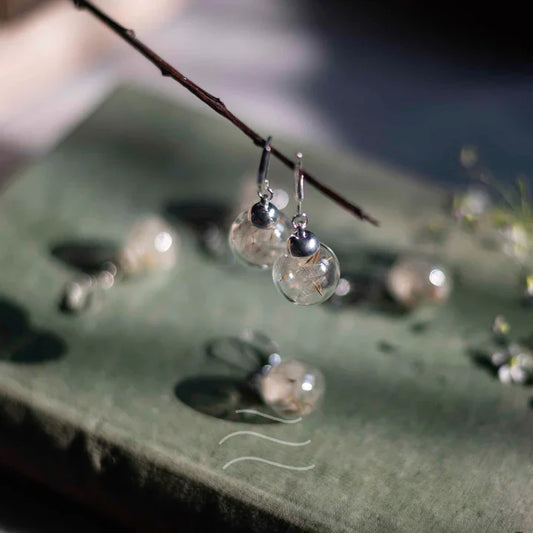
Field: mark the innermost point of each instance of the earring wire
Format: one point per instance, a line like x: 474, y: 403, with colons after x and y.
x: 298, y: 183
x: 300, y: 219
x: 263, y: 186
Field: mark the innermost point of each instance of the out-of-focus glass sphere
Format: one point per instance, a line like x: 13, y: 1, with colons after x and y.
x: 307, y: 280
x: 413, y: 280
x: 292, y: 388
x: 151, y: 245
x: 258, y: 247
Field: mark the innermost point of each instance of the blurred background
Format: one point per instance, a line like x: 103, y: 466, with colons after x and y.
x: 397, y: 82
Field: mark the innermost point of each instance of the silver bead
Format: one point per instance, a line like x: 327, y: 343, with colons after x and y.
x: 303, y: 243
x: 264, y: 215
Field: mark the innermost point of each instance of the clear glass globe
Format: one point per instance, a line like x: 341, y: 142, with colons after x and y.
x: 152, y: 244
x: 307, y: 280
x: 415, y: 280
x: 258, y: 247
x: 292, y: 388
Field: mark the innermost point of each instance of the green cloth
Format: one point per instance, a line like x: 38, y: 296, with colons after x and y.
x: 412, y: 435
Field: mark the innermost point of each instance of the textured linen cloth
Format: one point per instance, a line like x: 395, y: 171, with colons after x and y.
x: 122, y: 408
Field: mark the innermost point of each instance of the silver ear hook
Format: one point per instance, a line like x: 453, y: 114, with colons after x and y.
x: 298, y: 182
x: 300, y: 219
x: 264, y: 214
x: 263, y: 189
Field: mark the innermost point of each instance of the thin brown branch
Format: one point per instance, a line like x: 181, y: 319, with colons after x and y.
x: 217, y: 105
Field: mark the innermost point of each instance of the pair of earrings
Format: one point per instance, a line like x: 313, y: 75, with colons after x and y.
x: 304, y: 270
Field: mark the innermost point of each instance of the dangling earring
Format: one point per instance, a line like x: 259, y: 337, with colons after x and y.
x: 308, y: 272
x: 257, y: 236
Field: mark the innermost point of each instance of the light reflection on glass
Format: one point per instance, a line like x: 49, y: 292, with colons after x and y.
x: 437, y: 277
x: 308, y: 382
x: 163, y: 241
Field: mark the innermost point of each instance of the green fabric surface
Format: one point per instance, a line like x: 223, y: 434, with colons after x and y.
x: 412, y: 435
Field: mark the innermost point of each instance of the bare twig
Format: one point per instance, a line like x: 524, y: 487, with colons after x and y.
x: 217, y: 105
